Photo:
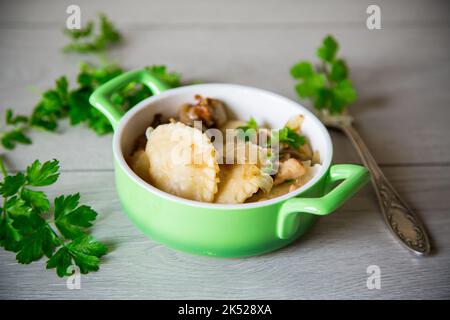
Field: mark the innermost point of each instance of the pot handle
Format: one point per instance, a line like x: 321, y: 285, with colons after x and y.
x: 354, y: 177
x: 100, y: 98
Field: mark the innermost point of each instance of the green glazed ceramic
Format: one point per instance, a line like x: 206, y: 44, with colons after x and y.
x: 225, y: 230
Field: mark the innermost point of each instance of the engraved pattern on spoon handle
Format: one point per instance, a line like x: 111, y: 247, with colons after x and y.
x: 401, y: 220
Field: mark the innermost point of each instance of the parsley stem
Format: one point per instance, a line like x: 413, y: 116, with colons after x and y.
x: 5, y: 213
x: 326, y: 72
x: 2, y: 168
x: 5, y: 174
x: 60, y: 241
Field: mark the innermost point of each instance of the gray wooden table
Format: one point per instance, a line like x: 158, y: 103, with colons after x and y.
x: 402, y: 75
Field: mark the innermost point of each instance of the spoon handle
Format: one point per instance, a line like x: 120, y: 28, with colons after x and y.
x: 401, y: 220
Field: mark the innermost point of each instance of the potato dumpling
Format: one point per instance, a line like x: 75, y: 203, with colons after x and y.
x: 183, y: 162
x: 139, y: 163
x: 238, y: 182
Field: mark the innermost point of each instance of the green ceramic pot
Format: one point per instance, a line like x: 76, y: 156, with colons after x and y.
x: 225, y: 230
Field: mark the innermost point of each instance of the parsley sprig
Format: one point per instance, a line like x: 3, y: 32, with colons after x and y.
x: 72, y: 102
x: 14, y: 130
x: 327, y: 86
x: 28, y: 228
x: 63, y: 102
x: 85, y: 40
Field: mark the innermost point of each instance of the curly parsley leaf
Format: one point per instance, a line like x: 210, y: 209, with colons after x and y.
x: 327, y: 87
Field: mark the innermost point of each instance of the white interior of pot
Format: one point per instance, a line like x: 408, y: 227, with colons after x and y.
x: 268, y: 109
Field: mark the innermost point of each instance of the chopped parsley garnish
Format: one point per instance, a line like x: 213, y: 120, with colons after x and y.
x: 248, y: 131
x: 288, y: 136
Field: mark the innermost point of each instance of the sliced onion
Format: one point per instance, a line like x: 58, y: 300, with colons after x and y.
x: 266, y: 182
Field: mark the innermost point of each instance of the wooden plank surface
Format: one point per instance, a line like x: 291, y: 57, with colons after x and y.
x: 401, y: 73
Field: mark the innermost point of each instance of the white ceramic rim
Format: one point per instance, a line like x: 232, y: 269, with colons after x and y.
x: 119, y: 157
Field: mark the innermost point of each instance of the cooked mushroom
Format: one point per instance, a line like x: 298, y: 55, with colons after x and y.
x: 210, y: 111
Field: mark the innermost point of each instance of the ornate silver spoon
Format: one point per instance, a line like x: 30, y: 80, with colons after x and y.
x: 404, y: 224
